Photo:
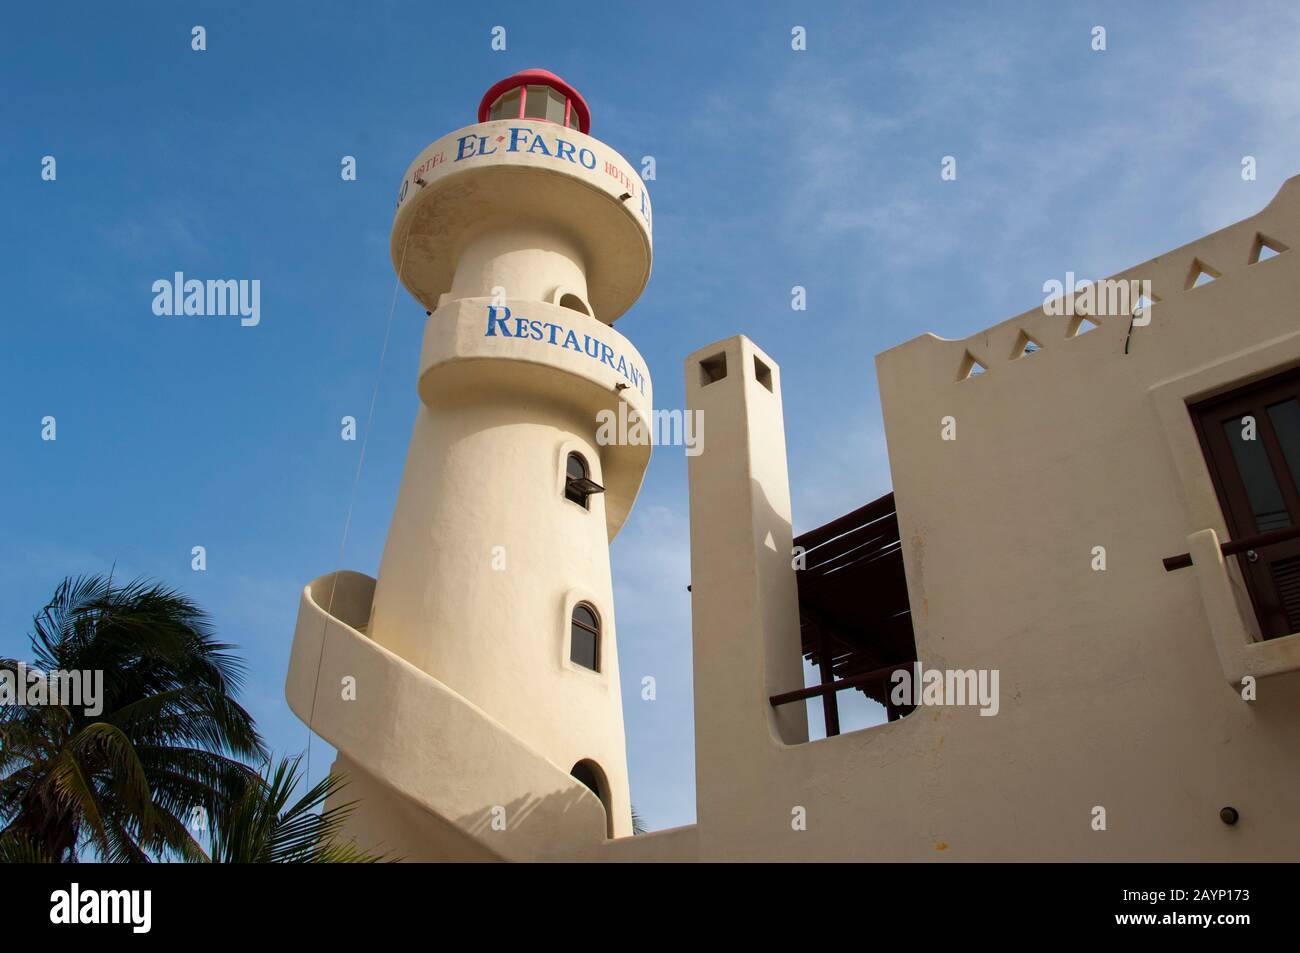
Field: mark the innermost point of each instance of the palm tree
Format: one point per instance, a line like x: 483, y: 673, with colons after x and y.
x: 17, y: 848
x: 165, y: 743
x: 262, y: 827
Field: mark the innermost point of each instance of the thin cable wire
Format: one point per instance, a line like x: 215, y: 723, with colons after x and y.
x: 352, y: 498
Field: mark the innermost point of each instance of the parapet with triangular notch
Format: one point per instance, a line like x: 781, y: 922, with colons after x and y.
x: 1210, y: 266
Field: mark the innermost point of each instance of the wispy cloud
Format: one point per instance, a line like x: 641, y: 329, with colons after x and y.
x: 170, y: 228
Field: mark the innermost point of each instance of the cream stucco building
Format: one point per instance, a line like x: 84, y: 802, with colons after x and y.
x: 1047, y: 482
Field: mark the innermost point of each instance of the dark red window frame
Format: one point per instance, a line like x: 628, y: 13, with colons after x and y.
x: 1272, y: 573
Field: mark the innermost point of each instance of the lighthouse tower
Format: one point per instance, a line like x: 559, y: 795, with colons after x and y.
x: 524, y: 239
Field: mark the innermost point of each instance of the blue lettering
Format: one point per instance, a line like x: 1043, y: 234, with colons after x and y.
x: 500, y: 323
x: 482, y: 147
x: 516, y: 134
x: 460, y: 147
x: 584, y: 155
x: 563, y: 149
x: 539, y: 141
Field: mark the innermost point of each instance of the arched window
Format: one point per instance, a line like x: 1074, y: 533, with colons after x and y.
x: 578, y: 485
x: 590, y: 774
x: 584, y: 637
x: 574, y: 303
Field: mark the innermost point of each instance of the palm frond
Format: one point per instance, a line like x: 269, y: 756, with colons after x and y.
x: 168, y: 738
x: 18, y: 848
x: 264, y: 827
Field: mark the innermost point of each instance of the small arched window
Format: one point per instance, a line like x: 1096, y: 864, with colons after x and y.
x: 591, y: 776
x: 578, y: 484
x: 584, y: 637
x: 574, y: 303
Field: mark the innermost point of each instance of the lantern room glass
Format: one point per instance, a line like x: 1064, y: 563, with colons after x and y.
x: 535, y: 102
x: 555, y: 103
x: 507, y: 107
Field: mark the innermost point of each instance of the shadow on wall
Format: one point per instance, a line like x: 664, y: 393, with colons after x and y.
x: 492, y: 819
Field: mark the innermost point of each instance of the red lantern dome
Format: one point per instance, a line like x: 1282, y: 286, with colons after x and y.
x: 536, y: 94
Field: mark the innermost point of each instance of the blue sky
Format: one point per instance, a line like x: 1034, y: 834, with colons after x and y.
x: 775, y: 168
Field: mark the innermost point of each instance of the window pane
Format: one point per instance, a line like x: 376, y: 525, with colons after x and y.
x: 585, y: 616
x: 535, y: 104
x: 582, y: 649
x: 555, y: 107
x: 1286, y: 424
x: 576, y: 469
x: 583, y: 773
x: 1261, y: 486
x: 507, y: 107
